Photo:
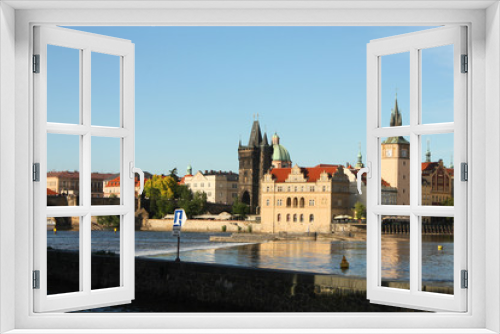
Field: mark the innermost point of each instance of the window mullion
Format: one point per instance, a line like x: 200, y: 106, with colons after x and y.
x: 415, y: 250
x: 85, y: 186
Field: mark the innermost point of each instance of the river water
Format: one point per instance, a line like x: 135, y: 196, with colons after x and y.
x: 308, y: 256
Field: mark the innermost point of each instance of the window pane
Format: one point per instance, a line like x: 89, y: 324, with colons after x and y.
x: 105, y: 176
x: 395, y: 252
x: 395, y: 171
x: 437, y: 170
x: 395, y: 89
x: 105, y: 90
x: 437, y: 254
x: 437, y: 84
x: 63, y: 165
x: 63, y: 85
x: 63, y: 267
x: 105, y: 252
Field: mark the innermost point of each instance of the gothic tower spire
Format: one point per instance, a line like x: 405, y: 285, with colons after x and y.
x: 396, y: 119
x: 428, y: 153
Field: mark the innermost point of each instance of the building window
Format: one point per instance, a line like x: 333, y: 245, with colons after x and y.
x: 295, y: 189
x: 280, y: 189
x: 324, y: 188
x: 311, y: 202
x: 278, y: 218
x: 294, y: 217
x: 311, y: 218
x: 287, y: 217
x: 288, y: 189
x: 267, y: 202
x: 288, y: 202
x: 295, y: 202
x: 195, y: 185
x: 209, y: 194
x: 202, y: 185
x: 302, y: 202
x: 267, y: 189
x: 311, y: 188
x: 234, y: 186
x: 339, y: 202
x: 301, y: 218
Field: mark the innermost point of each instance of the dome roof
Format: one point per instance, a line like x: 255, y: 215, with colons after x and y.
x: 280, y: 153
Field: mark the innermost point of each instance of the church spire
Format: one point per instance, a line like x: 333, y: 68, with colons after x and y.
x: 265, y: 142
x: 428, y: 153
x: 255, y: 135
x: 359, y: 164
x: 396, y: 119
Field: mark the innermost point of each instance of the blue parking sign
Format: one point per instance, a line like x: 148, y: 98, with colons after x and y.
x: 179, y: 217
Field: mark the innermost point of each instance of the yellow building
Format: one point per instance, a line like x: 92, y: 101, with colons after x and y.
x: 221, y: 187
x: 303, y: 199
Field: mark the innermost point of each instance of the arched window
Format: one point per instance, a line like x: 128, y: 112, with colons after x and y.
x: 287, y: 217
x: 267, y: 202
x: 288, y: 202
x: 302, y: 202
x: 301, y: 218
x: 294, y: 217
x: 311, y: 218
x: 279, y: 217
x: 295, y: 201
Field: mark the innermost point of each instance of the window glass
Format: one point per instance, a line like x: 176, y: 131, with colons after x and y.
x: 63, y: 85
x: 395, y: 89
x: 105, y: 90
x: 63, y: 255
x: 437, y: 84
x: 395, y: 252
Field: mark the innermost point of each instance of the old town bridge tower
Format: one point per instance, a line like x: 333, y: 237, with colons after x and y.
x: 255, y: 160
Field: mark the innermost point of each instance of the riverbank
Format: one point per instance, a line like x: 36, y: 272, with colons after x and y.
x: 167, y: 286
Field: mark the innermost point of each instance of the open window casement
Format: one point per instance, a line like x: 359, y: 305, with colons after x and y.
x: 420, y: 186
x: 72, y: 137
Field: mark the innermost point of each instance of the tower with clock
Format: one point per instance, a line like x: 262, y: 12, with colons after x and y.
x: 395, y: 162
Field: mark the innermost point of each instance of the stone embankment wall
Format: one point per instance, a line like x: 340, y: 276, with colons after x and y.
x: 164, y: 285
x: 201, y: 225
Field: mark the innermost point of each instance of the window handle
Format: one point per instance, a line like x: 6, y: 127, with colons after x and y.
x: 139, y: 171
x: 368, y: 172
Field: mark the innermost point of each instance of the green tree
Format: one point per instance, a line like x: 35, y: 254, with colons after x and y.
x: 109, y: 221
x: 240, y: 209
x: 359, y: 210
x: 448, y: 202
x: 193, y: 204
x: 161, y: 190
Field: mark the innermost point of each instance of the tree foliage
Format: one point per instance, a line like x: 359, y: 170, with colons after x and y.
x: 109, y: 221
x: 165, y: 194
x: 359, y: 210
x: 240, y: 209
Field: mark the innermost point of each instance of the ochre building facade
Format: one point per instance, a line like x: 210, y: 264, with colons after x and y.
x: 304, y: 200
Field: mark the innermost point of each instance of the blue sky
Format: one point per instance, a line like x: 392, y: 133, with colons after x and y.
x: 198, y: 88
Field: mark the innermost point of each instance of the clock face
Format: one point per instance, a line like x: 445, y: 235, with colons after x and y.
x: 388, y: 153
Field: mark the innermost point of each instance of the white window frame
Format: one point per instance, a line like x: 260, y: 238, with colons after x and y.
x: 15, y: 46
x: 413, y: 43
x: 85, y: 43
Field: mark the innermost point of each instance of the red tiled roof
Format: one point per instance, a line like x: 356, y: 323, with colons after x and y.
x: 116, y: 182
x: 64, y: 174
x: 76, y: 175
x: 51, y: 192
x: 311, y: 173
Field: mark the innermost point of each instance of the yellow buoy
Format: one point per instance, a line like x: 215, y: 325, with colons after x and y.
x: 440, y: 247
x: 115, y: 230
x: 55, y: 230
x: 344, y: 264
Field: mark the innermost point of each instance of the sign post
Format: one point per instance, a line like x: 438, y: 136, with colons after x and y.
x: 179, y: 219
